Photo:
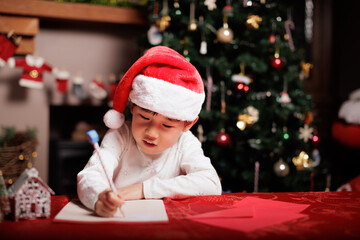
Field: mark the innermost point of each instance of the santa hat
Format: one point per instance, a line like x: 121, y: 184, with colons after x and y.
x: 162, y: 81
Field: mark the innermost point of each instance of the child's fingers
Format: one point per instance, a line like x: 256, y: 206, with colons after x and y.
x: 110, y: 199
x: 102, y: 210
x: 115, y: 199
x: 106, y: 199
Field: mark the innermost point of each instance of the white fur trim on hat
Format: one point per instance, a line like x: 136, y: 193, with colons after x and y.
x: 11, y: 62
x: 170, y: 100
x: 2, y: 62
x: 113, y: 119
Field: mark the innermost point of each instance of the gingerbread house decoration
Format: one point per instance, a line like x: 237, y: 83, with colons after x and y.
x: 30, y: 197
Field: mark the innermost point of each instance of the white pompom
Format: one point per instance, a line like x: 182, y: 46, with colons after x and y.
x: 350, y: 111
x: 114, y: 119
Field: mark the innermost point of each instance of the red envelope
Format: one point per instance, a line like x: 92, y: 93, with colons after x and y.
x: 246, y: 211
x: 265, y: 213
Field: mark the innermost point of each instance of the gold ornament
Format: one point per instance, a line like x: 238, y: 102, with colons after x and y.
x: 281, y: 168
x: 253, y: 21
x: 302, y: 161
x: 163, y: 23
x: 244, y: 120
x: 34, y: 73
x: 192, y: 24
x: 305, y: 70
x: 248, y: 118
x: 286, y: 37
x: 225, y: 34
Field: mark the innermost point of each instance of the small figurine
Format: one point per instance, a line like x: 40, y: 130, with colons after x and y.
x: 30, y: 197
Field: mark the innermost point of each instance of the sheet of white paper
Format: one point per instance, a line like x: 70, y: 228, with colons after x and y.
x: 134, y: 211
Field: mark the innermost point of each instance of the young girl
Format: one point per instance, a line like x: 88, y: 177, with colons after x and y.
x: 155, y: 155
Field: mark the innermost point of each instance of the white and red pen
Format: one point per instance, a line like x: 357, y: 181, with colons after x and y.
x: 93, y: 138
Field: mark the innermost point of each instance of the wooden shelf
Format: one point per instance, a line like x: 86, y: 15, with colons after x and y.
x: 73, y: 11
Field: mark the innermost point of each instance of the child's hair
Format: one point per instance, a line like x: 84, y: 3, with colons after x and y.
x: 156, y: 113
x: 162, y: 81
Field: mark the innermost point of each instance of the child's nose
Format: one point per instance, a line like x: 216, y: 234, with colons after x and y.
x: 151, y: 132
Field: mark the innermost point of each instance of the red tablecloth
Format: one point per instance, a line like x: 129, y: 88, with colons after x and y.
x: 331, y: 215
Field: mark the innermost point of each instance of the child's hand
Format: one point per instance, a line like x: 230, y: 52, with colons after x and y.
x: 108, y: 203
x: 132, y: 192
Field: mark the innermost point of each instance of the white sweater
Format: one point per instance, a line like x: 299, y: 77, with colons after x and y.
x: 179, y: 172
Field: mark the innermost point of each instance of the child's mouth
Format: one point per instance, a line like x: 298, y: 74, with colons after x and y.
x: 149, y: 144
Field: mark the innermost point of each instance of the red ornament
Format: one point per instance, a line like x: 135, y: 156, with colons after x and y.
x: 315, y: 141
x: 277, y: 63
x: 241, y: 87
x: 272, y: 38
x: 222, y: 139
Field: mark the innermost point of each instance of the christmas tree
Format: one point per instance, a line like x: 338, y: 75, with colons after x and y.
x: 256, y: 124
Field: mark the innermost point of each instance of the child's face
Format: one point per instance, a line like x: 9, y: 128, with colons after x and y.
x: 154, y: 132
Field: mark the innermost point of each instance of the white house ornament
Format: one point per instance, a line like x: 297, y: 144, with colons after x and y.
x: 154, y: 35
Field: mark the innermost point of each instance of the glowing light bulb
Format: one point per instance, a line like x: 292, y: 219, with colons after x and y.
x: 241, y: 125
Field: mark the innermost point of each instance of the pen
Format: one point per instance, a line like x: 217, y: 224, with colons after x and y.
x: 93, y: 138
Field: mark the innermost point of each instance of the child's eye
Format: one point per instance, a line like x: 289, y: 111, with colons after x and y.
x: 143, y: 117
x: 167, y: 126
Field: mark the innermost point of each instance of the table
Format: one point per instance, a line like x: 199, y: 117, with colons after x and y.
x: 331, y: 215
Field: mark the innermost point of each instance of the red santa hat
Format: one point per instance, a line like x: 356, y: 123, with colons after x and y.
x: 162, y: 81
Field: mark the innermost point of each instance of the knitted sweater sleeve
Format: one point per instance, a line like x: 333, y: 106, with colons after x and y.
x: 197, y: 175
x: 91, y: 181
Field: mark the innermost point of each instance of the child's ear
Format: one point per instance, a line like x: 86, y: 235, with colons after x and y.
x: 189, y: 124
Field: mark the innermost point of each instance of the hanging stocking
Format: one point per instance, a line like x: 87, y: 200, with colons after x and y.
x: 78, y: 88
x: 8, y: 45
x: 33, y: 69
x: 97, y: 88
x: 62, y: 79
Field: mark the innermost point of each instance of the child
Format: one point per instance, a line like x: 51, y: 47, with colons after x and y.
x: 154, y: 156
